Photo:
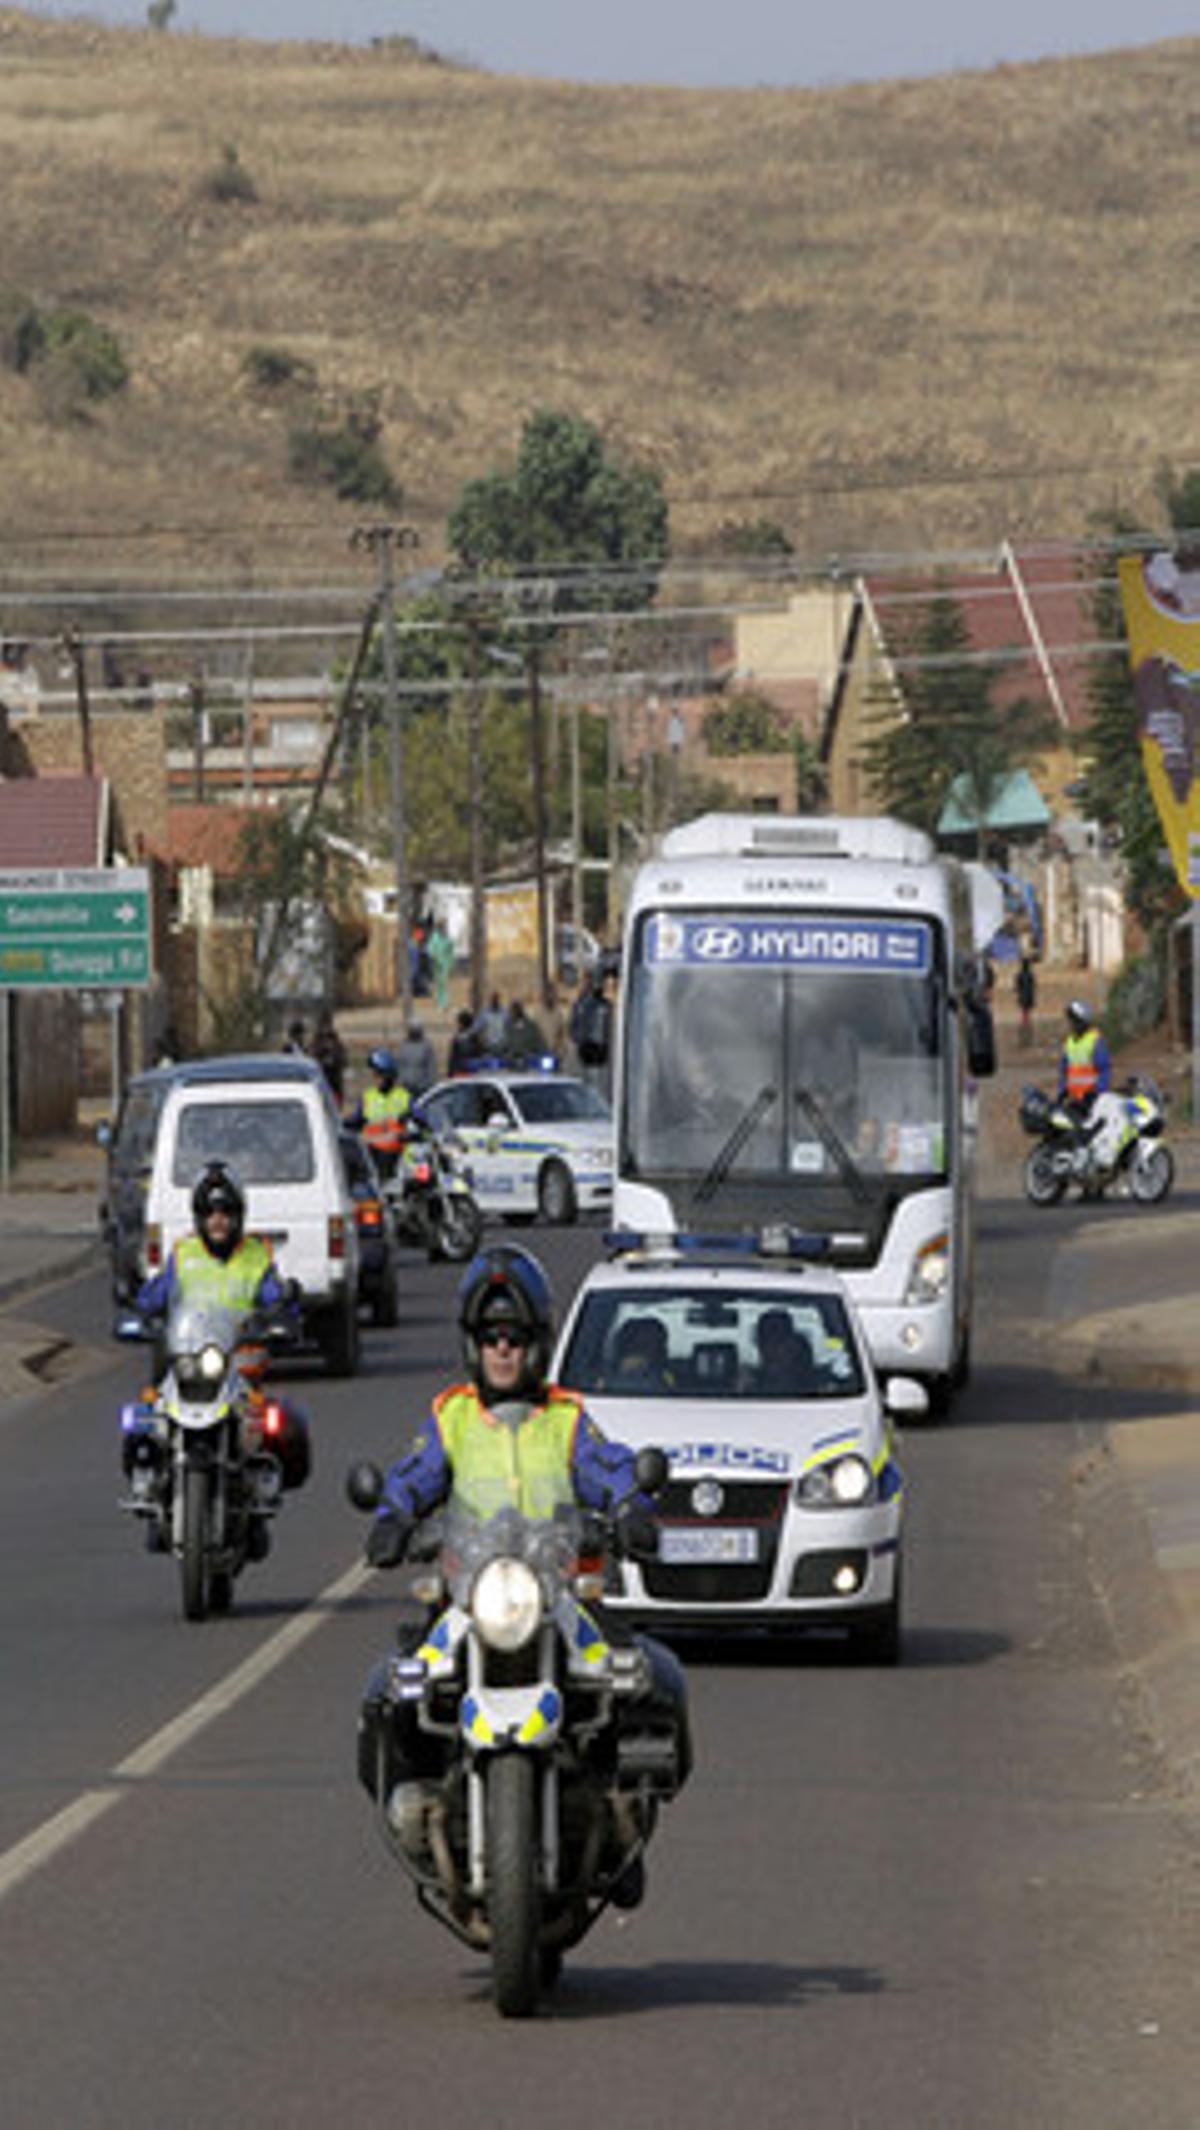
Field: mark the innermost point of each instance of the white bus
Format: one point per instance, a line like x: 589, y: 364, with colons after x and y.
x: 799, y: 1020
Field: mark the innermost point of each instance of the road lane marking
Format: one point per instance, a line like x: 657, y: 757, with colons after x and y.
x: 54, y: 1835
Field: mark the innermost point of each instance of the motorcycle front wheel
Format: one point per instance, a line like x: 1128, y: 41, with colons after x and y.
x: 512, y: 1884
x: 1152, y: 1174
x: 1043, y: 1184
x: 193, y: 1560
x: 460, y: 1229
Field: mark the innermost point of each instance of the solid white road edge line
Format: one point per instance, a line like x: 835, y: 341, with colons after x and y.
x: 46, y: 1841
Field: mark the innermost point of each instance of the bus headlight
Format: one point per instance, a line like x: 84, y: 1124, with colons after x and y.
x: 930, y: 1273
x: 842, y: 1483
x: 506, y: 1604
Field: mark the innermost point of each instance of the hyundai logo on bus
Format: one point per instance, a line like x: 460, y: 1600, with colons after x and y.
x: 775, y: 944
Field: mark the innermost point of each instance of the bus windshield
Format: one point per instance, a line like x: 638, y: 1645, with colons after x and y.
x: 805, y: 1057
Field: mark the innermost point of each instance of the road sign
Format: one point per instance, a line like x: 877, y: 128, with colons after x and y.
x: 75, y: 930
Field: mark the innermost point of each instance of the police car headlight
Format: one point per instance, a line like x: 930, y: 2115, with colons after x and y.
x: 842, y: 1483
x: 930, y: 1272
x: 506, y: 1604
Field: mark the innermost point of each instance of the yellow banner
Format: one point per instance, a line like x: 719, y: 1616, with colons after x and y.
x: 1161, y: 598
x: 512, y: 922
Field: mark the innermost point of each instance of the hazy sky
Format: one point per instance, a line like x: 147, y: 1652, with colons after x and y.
x: 740, y: 43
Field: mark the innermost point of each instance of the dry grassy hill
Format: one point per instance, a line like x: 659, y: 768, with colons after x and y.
x: 922, y: 312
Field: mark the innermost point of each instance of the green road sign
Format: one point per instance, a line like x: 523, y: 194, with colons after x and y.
x: 75, y: 930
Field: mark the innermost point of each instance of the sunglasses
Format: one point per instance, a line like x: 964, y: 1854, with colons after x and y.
x: 514, y: 1339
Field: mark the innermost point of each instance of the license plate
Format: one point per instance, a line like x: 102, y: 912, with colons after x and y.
x: 680, y: 1546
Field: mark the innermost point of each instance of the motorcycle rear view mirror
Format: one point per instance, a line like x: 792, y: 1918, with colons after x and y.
x: 651, y: 1471
x: 364, y: 1486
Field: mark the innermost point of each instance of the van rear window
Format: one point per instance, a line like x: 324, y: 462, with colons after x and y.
x: 263, y: 1142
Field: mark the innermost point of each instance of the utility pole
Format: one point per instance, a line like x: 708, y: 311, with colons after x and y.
x: 73, y: 645
x: 196, y: 698
x: 476, y: 609
x: 382, y: 541
x: 537, y: 740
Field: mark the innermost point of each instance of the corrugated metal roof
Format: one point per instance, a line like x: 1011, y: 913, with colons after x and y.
x: 57, y: 819
x: 1016, y: 804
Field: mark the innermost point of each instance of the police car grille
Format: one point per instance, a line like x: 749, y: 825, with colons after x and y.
x: 747, y: 1501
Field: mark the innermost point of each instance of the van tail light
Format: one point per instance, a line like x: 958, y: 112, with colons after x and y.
x: 153, y: 1247
x: 369, y: 1214
x: 337, y: 1236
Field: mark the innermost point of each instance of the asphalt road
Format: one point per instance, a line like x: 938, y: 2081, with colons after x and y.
x: 951, y: 1897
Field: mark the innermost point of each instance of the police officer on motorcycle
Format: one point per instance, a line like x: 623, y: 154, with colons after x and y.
x: 1084, y: 1065
x: 508, y: 1424
x: 223, y: 1267
x: 220, y: 1263
x: 381, y: 1115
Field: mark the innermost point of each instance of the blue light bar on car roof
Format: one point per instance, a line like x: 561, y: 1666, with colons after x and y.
x: 771, y: 1242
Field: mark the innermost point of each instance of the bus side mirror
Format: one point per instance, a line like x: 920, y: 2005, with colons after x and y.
x: 981, y: 1040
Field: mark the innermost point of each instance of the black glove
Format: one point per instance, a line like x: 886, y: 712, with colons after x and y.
x: 636, y: 1530
x: 387, y: 1540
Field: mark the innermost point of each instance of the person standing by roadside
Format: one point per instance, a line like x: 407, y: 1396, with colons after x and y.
x: 329, y: 1052
x: 1025, y: 986
x: 440, y: 948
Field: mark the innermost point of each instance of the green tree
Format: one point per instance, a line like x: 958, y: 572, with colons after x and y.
x: 567, y: 512
x: 744, y: 723
x: 950, y: 729
x: 284, y: 869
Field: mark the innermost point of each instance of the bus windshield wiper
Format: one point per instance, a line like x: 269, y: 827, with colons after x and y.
x: 834, y: 1146
x: 714, y: 1176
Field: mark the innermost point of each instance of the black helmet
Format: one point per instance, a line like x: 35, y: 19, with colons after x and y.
x: 505, y: 1286
x: 1079, y: 1014
x: 217, y: 1186
x: 383, y: 1062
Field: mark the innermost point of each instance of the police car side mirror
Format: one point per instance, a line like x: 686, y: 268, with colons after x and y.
x: 905, y: 1398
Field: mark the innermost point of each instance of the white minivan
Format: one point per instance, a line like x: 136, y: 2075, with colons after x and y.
x: 271, y: 1119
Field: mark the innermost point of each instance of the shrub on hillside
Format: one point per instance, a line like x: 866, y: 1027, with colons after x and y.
x: 271, y: 368
x: 229, y: 180
x: 22, y: 334
x: 344, y: 455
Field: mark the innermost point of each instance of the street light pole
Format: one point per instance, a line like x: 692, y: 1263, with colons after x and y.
x: 382, y: 541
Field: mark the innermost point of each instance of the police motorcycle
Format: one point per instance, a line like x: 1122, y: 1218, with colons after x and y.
x: 207, y: 1454
x: 1118, y: 1146
x: 518, y: 1757
x: 430, y: 1194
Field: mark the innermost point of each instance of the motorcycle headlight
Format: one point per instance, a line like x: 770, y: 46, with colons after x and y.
x: 842, y: 1483
x: 930, y: 1272
x: 506, y: 1604
x: 200, y: 1375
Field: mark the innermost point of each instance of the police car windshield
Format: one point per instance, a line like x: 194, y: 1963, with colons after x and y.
x: 660, y: 1341
x: 561, y: 1102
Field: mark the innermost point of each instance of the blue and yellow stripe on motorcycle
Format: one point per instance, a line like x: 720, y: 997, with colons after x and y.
x: 544, y: 1718
x: 438, y: 1647
x: 475, y: 1724
x: 589, y: 1642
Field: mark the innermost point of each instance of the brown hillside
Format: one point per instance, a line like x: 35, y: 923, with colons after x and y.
x: 923, y: 312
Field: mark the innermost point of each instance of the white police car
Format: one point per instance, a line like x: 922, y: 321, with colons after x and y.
x: 784, y: 1503
x: 538, y: 1143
